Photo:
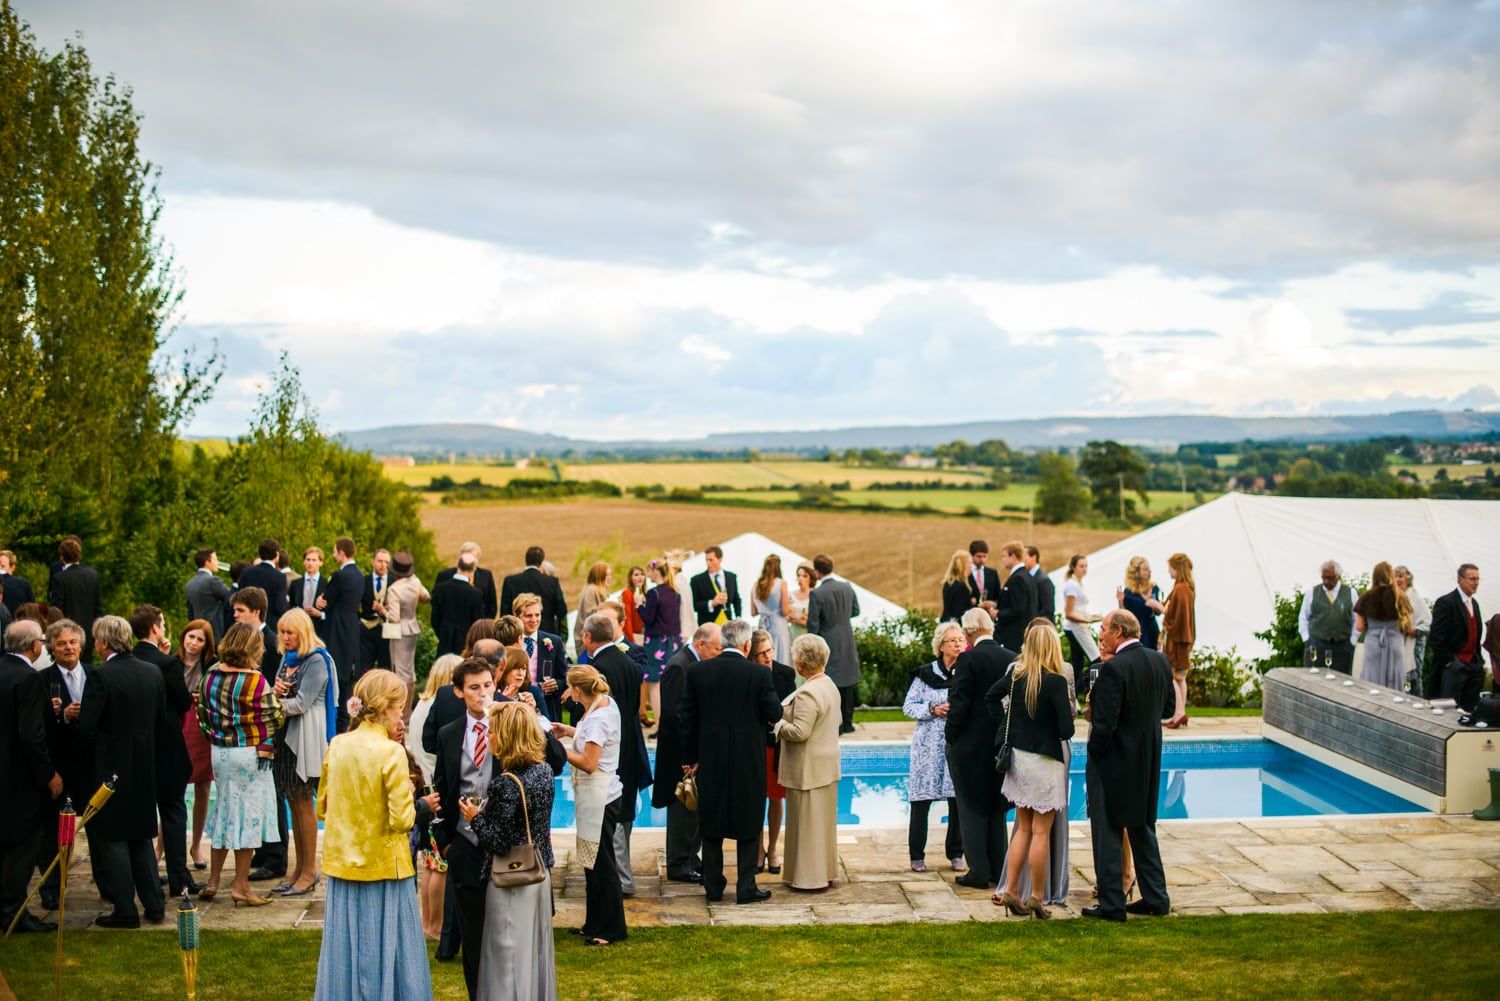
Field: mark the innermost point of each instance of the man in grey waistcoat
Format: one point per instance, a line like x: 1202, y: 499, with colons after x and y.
x: 1326, y: 622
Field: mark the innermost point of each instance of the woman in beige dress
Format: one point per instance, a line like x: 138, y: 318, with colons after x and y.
x: 402, y: 596
x: 809, y: 735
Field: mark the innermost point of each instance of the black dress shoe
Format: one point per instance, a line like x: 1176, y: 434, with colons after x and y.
x: 31, y: 923
x: 49, y: 900
x: 713, y: 898
x: 685, y: 877
x: 1144, y: 910
x: 1095, y: 912
x: 754, y: 898
x: 115, y: 921
x: 967, y: 879
x: 156, y: 918
x: 263, y: 873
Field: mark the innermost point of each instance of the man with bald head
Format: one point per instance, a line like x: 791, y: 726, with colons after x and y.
x: 683, y: 840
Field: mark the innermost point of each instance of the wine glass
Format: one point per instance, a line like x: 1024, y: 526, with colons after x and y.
x: 55, y: 692
x: 1328, y: 658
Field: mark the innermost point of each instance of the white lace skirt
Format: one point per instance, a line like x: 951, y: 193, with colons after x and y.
x: 1036, y: 782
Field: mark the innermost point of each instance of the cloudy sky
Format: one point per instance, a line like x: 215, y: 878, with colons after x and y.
x: 660, y: 219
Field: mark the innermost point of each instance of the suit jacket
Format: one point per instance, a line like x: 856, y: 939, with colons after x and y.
x: 551, y: 662
x: 809, y: 735
x: 669, y: 726
x: 703, y: 596
x: 446, y: 779
x: 958, y: 597
x: 341, y: 632
x: 296, y: 590
x: 174, y: 767
x: 26, y: 764
x: 124, y: 710
x: 446, y: 707
x: 1017, y: 608
x: 206, y: 594
x: 1450, y: 629
x: 72, y: 751
x: 270, y: 657
x: 991, y: 591
x: 270, y: 580
x: 76, y: 591
x: 1046, y: 594
x: 456, y: 606
x: 727, y: 704
x: 533, y: 581
x: 830, y: 610
x: 1128, y: 701
x: 484, y: 583
x: 624, y: 677
x: 16, y: 590
x: 971, y: 732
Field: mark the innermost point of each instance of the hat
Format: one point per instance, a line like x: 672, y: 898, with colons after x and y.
x: 400, y: 564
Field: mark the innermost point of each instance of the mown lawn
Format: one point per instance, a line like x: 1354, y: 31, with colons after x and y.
x: 1388, y: 954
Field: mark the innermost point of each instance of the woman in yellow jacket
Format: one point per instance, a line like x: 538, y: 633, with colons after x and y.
x: 372, y: 926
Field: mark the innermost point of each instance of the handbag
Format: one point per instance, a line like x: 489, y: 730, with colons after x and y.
x: 390, y: 630
x: 521, y: 864
x: 687, y: 792
x: 1003, y: 758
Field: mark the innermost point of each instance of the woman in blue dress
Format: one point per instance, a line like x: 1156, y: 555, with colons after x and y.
x: 928, y: 781
x: 771, y: 600
x: 1142, y: 598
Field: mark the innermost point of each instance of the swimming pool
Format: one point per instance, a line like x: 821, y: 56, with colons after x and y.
x: 1200, y: 779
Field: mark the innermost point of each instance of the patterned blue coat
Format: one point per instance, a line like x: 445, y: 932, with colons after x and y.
x: 929, y: 778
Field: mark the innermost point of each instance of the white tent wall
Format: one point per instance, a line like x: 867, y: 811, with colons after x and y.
x: 1245, y: 549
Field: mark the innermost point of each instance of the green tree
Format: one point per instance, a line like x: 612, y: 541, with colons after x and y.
x: 91, y: 401
x: 1113, y: 469
x: 1365, y: 459
x: 1060, y: 495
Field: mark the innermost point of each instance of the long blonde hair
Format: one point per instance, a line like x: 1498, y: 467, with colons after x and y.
x: 297, y: 621
x: 958, y: 567
x: 377, y: 691
x: 1133, y: 576
x: 1041, y: 653
x: 440, y: 675
x: 663, y: 566
x: 515, y: 739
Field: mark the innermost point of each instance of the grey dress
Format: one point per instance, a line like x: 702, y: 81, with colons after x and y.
x: 516, y: 958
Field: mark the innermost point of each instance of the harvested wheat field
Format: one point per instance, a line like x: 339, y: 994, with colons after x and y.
x: 871, y: 548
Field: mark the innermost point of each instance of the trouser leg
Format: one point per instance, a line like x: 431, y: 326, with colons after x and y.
x: 1149, y: 872
x: 622, y: 859
x: 173, y: 812
x: 683, y: 840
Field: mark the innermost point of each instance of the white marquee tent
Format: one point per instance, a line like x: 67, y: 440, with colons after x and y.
x: 1245, y: 549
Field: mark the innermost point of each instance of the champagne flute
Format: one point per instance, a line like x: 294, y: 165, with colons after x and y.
x: 55, y: 692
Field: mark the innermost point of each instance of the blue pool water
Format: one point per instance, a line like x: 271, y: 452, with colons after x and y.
x: 1200, y: 779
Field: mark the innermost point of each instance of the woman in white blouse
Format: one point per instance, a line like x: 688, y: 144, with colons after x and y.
x: 1078, y: 620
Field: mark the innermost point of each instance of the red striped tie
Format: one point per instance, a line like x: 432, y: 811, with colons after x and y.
x: 479, y: 744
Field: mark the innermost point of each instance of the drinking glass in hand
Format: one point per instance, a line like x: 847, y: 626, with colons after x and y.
x: 55, y: 693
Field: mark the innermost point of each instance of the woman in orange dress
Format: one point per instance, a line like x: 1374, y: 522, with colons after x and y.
x: 1179, y: 628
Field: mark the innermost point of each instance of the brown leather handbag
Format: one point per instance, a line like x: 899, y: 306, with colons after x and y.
x: 522, y: 864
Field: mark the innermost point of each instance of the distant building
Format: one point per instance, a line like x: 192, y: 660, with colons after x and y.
x: 914, y: 461
x: 397, y: 461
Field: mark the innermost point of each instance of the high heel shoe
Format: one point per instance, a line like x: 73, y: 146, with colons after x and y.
x: 1011, y: 903
x: 294, y: 892
x: 249, y: 901
x: 208, y: 892
x: 1035, y: 906
x: 1130, y: 890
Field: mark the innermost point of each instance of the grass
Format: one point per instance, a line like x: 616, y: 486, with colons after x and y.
x: 1384, y: 954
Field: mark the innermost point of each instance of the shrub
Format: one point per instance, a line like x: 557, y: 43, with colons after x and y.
x: 1286, y: 643
x: 888, y: 651
x: 1219, y: 679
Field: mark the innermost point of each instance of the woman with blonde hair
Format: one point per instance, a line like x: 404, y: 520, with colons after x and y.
x: 594, y: 592
x: 1033, y: 700
x: 1140, y: 596
x: 1421, y: 625
x: 433, y: 878
x: 516, y: 959
x: 239, y: 715
x: 771, y: 600
x: 439, y: 677
x: 1179, y: 628
x: 958, y: 595
x: 307, y: 686
x: 594, y: 753
x: 372, y: 928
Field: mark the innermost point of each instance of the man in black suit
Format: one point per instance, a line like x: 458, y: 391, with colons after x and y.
x: 546, y: 651
x: 74, y: 589
x: 303, y: 592
x: 340, y: 605
x: 1127, y: 703
x: 28, y: 779
x: 683, y: 839
x: 456, y: 605
x: 264, y: 574
x: 1017, y: 599
x: 727, y: 703
x: 715, y: 591
x: 125, y: 710
x: 72, y: 751
x: 971, y: 735
x: 173, y: 767
x: 374, y: 648
x: 1046, y: 594
x: 482, y: 579
x: 1457, y: 641
x: 249, y: 605
x: 463, y: 768
x: 831, y: 610
x: 16, y: 590
x: 984, y: 582
x: 533, y: 581
x: 206, y: 594
x: 624, y: 677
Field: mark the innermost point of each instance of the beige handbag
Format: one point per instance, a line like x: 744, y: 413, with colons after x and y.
x: 687, y: 792
x: 522, y: 865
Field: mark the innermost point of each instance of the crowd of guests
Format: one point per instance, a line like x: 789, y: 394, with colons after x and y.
x: 289, y: 699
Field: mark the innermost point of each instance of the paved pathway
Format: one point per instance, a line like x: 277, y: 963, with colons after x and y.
x: 1269, y: 865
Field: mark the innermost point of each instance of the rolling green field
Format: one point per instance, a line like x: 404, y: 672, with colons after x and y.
x: 739, y: 475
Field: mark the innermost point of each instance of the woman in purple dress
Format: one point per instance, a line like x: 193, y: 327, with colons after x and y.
x: 662, y: 616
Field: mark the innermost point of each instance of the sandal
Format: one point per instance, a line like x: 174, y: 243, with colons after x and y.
x: 597, y: 941
x: 1012, y: 904
x: 1034, y: 905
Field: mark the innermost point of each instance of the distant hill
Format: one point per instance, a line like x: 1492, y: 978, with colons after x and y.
x: 1163, y: 432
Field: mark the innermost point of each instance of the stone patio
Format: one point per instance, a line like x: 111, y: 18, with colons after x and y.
x: 1267, y: 865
